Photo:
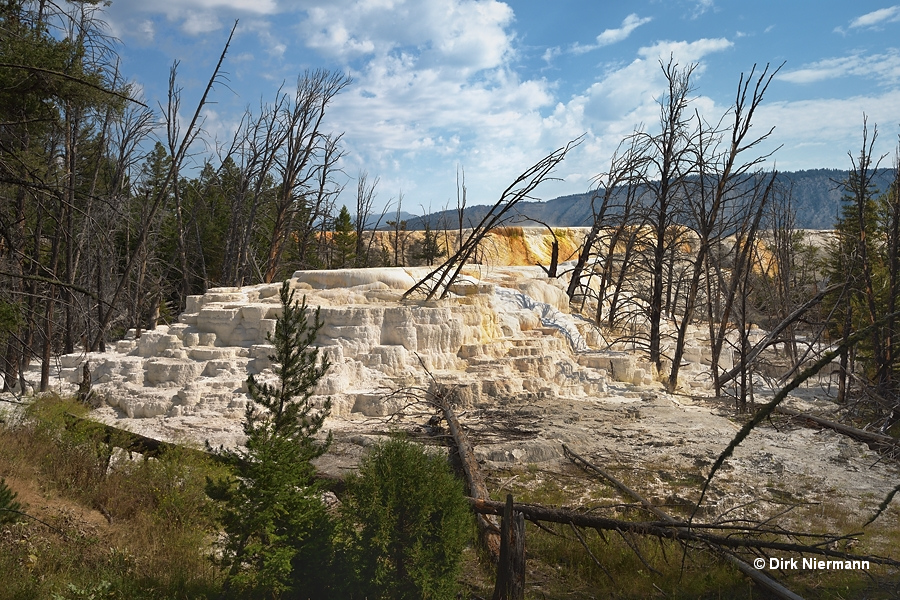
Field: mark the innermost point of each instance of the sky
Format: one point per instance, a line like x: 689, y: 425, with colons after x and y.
x: 491, y: 87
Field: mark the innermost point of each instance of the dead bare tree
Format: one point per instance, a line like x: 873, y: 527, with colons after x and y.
x: 621, y: 245
x: 156, y: 202
x: 892, y: 227
x: 766, y: 410
x: 172, y: 138
x: 398, y: 234
x: 783, y: 271
x: 625, y: 167
x: 365, y: 199
x: 718, y: 184
x: 306, y: 152
x: 669, y: 154
x: 317, y: 206
x: 725, y: 301
x: 438, y: 281
x: 243, y: 176
x: 460, y: 205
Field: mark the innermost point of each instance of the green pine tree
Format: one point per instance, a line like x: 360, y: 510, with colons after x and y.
x: 429, y: 249
x: 278, y: 533
x: 10, y: 510
x: 344, y: 240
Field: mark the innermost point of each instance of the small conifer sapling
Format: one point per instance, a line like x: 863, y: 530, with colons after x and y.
x: 277, y: 532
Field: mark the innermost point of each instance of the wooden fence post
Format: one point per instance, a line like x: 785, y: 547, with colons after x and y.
x: 510, y: 583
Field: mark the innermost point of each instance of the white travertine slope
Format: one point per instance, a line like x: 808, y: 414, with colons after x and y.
x: 504, y: 332
x: 527, y: 375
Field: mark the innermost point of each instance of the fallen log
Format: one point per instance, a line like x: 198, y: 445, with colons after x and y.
x: 475, y: 486
x: 662, y: 529
x: 755, y: 575
x: 875, y: 441
x: 618, y: 484
x: 153, y: 448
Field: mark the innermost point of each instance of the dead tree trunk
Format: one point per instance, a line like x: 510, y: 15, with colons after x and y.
x: 510, y: 583
x: 475, y: 485
x: 438, y: 281
x: 876, y: 441
x: 693, y: 532
x: 190, y: 135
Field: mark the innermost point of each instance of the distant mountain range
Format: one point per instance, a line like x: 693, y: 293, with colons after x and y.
x: 816, y: 197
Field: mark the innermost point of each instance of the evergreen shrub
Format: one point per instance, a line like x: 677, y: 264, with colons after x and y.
x: 405, y: 522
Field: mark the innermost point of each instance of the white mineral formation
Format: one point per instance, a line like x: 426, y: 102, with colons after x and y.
x: 527, y: 376
x: 503, y: 333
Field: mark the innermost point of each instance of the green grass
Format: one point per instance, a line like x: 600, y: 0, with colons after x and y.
x: 157, y: 538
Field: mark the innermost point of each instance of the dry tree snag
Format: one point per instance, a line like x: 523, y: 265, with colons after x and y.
x: 715, y: 200
x: 774, y: 335
x: 190, y: 135
x: 755, y: 575
x: 438, y: 281
x: 767, y: 409
x: 553, y: 267
x: 625, y: 166
x: 304, y: 165
x: 510, y: 584
x: 688, y: 533
x: 875, y: 441
x: 669, y: 153
x: 365, y: 198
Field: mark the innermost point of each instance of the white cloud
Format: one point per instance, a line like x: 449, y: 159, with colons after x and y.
x: 403, y: 105
x: 433, y: 85
x: 146, y: 30
x: 701, y: 6
x: 468, y: 34
x: 196, y: 23
x: 612, y: 36
x: 194, y: 17
x: 260, y: 7
x: 550, y: 54
x: 631, y: 22
x: 799, y: 125
x: 685, y: 52
x: 269, y: 40
x: 626, y: 98
x: 877, y: 17
x: 179, y: 7
x: 883, y: 67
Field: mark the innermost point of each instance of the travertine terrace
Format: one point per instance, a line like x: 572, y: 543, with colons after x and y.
x: 526, y: 374
x: 503, y: 333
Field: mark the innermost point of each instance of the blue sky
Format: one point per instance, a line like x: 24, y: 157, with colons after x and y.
x: 493, y: 87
